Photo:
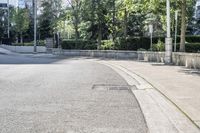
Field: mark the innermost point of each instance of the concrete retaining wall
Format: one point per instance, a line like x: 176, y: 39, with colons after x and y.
x: 99, y: 53
x: 24, y: 49
x: 189, y: 60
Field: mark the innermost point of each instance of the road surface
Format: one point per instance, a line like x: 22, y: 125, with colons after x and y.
x: 58, y: 95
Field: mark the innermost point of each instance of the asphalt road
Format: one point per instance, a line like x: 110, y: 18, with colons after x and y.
x: 57, y: 95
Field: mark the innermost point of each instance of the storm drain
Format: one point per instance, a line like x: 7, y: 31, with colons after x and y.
x: 105, y: 87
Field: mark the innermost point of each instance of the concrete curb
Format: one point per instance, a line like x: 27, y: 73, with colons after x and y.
x: 161, y: 114
x: 156, y: 86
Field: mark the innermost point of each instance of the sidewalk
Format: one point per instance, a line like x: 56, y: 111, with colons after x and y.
x: 178, y: 84
x: 5, y: 51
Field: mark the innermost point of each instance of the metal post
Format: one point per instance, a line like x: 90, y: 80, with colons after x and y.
x: 8, y: 6
x: 35, y: 25
x: 175, y: 39
x: 151, y: 35
x: 168, y: 39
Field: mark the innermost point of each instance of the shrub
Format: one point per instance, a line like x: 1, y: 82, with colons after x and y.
x: 135, y: 43
x: 193, y: 39
x: 78, y: 44
x: 141, y: 49
x: 190, y: 47
x: 160, y: 46
x: 39, y: 43
x: 107, y: 45
x: 6, y: 41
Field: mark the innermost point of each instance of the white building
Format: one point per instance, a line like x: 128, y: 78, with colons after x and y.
x: 197, y: 10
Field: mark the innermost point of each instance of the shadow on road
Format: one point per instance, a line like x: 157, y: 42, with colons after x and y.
x: 29, y: 59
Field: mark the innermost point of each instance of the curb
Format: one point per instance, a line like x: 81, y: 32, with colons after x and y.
x: 156, y: 86
x: 146, y: 92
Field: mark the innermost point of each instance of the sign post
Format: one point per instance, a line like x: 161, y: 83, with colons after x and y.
x: 8, y: 6
x: 175, y: 39
x: 151, y: 35
x: 35, y: 25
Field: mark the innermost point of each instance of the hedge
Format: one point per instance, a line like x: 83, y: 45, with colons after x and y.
x: 130, y: 43
x: 191, y: 47
x: 79, y: 44
x: 135, y: 43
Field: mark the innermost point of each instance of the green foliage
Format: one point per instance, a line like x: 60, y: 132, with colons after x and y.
x: 191, y: 47
x: 2, y: 23
x: 78, y: 44
x: 160, y: 46
x: 107, y: 45
x: 21, y: 18
x: 192, y: 39
x: 141, y: 49
x: 40, y: 43
x: 50, y: 15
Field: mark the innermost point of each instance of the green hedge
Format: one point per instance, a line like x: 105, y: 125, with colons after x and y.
x: 190, y: 39
x: 191, y: 47
x: 40, y: 43
x: 79, y: 44
x: 135, y: 43
x: 131, y: 43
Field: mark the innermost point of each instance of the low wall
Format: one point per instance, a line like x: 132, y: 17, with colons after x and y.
x: 190, y: 60
x: 99, y: 53
x: 24, y: 49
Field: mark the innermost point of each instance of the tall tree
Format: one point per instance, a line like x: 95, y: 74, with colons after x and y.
x: 76, y: 12
x: 21, y: 17
x: 50, y: 14
x: 183, y: 25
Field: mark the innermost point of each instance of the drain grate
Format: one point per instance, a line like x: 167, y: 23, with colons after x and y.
x: 106, y: 87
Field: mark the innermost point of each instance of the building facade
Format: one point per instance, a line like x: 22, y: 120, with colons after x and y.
x: 197, y: 10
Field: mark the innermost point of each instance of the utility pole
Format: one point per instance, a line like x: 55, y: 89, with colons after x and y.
x: 35, y: 24
x: 8, y: 6
x: 168, y: 39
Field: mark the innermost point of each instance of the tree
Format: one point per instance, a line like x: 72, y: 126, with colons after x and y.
x: 2, y: 23
x: 21, y: 17
x: 183, y: 25
x: 76, y: 12
x: 50, y: 15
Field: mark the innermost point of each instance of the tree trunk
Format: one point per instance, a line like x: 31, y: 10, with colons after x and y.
x: 93, y: 17
x: 125, y: 23
x: 99, y: 34
x: 183, y: 25
x: 76, y: 23
x: 113, y: 21
x: 21, y: 37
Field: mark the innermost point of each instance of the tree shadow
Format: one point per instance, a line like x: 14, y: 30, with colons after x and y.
x: 32, y: 59
x: 194, y: 72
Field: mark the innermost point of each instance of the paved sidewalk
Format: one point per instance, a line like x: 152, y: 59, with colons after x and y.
x: 5, y: 51
x: 180, y: 85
